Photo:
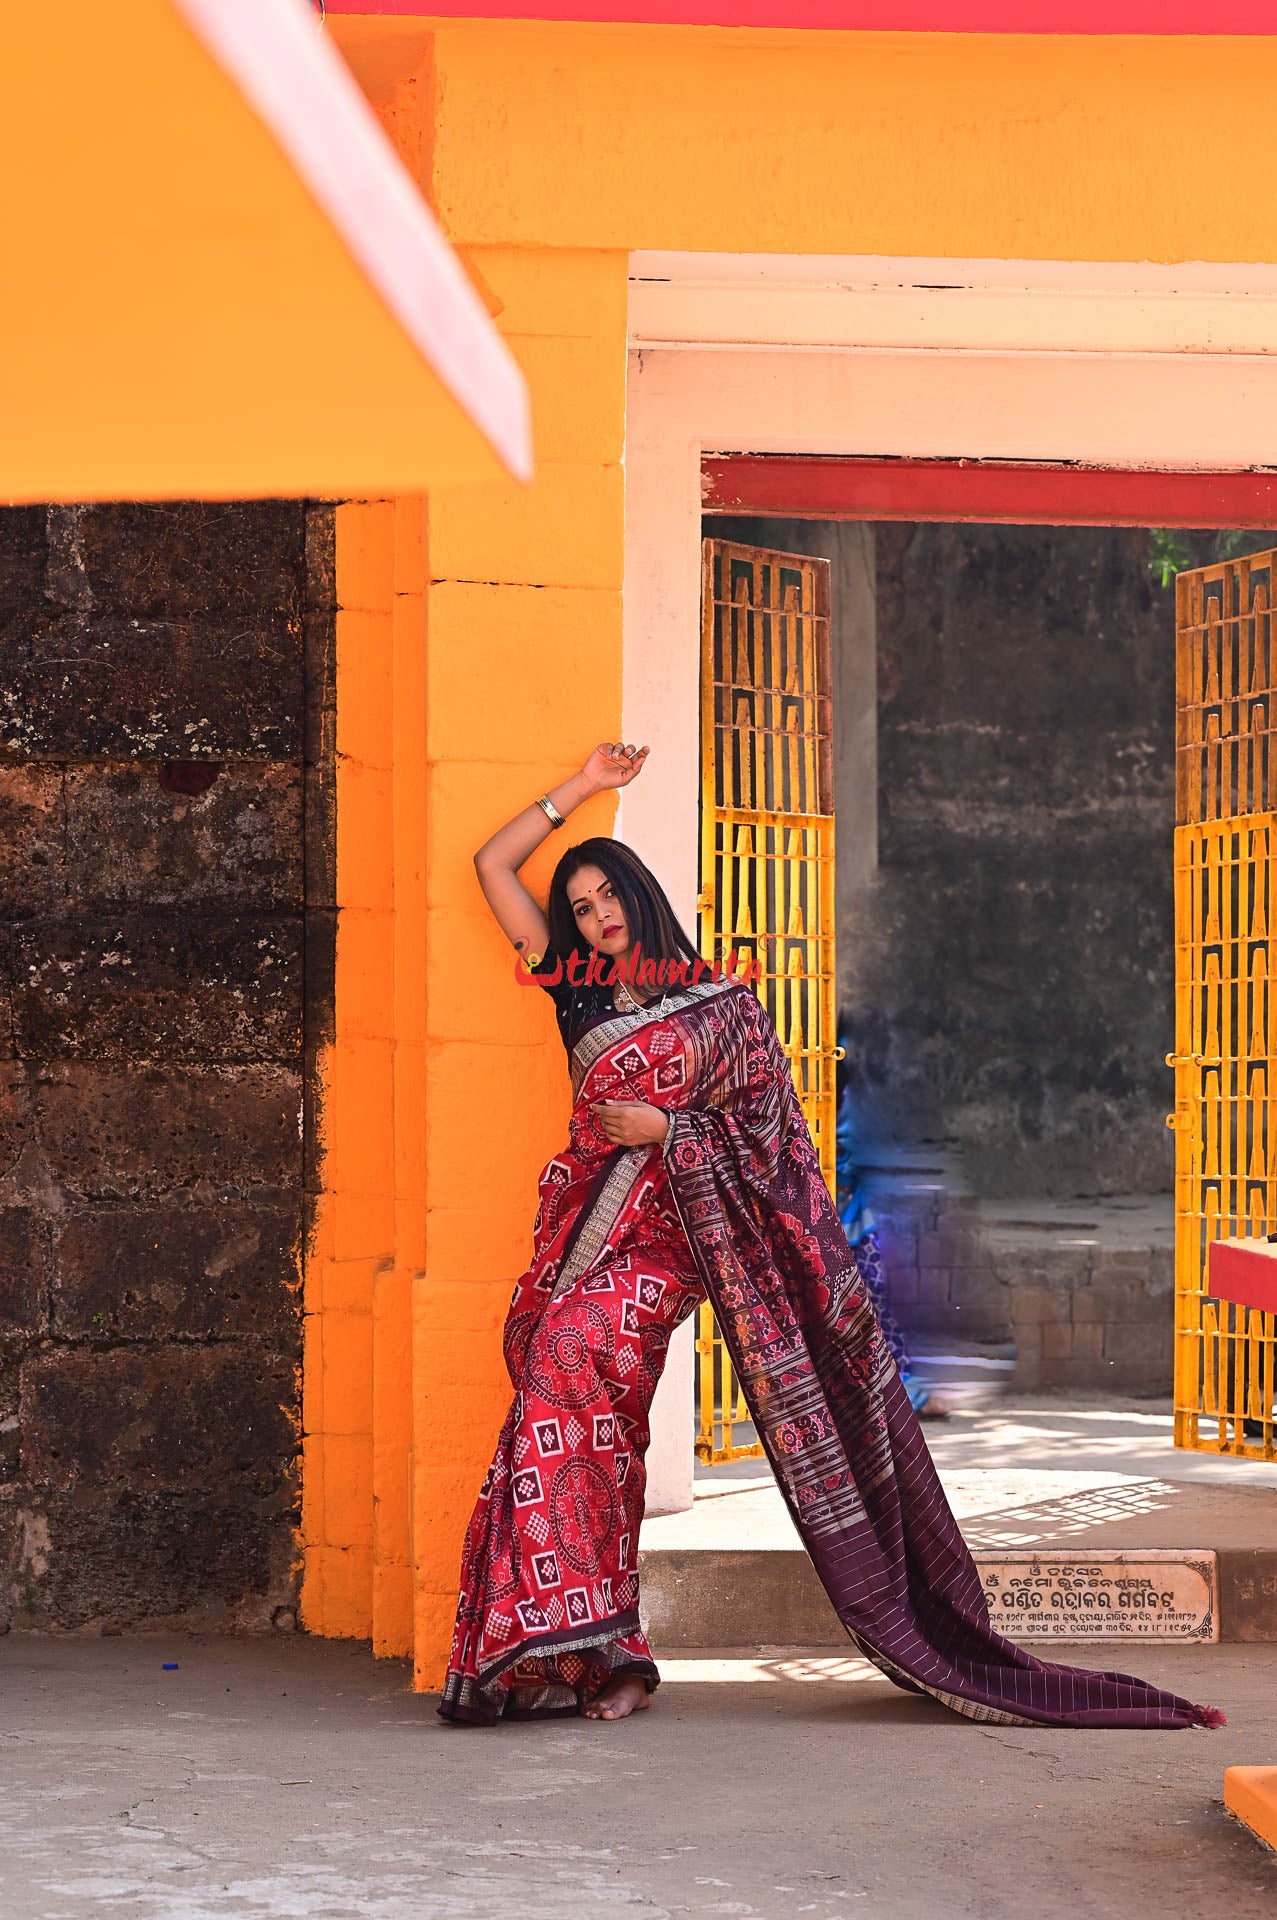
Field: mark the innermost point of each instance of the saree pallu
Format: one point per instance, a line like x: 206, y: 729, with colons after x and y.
x: 611, y: 1275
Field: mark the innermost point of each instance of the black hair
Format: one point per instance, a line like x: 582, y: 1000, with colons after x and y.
x: 654, y: 926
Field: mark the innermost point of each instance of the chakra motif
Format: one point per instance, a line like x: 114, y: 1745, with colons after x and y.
x: 505, y: 1568
x: 561, y: 1366
x: 583, y: 1510
x: 518, y: 1332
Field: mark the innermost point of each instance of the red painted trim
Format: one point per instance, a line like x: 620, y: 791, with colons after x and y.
x: 1243, y: 1271
x: 865, y: 16
x: 305, y: 95
x: 807, y: 487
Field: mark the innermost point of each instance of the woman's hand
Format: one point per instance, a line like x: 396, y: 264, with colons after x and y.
x: 630, y: 1123
x: 613, y: 765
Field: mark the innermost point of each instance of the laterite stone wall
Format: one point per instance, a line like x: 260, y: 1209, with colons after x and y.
x: 1014, y: 967
x: 165, y: 967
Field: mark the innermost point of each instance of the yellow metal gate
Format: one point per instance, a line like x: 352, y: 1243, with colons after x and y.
x: 767, y: 846
x: 1225, y: 1116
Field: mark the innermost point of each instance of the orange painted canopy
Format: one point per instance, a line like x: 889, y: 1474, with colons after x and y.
x: 219, y: 279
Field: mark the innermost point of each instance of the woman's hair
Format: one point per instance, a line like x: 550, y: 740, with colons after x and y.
x: 653, y: 924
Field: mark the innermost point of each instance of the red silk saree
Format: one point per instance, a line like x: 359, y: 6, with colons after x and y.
x: 626, y: 1242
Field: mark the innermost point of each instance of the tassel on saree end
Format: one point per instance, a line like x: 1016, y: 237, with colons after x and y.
x: 1211, y: 1717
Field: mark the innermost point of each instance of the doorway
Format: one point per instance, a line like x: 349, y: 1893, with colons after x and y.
x: 1006, y: 984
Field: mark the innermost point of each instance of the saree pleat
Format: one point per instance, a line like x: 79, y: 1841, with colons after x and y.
x: 733, y: 1205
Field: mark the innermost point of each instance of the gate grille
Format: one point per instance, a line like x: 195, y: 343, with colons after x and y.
x: 1224, y: 1119
x: 767, y: 846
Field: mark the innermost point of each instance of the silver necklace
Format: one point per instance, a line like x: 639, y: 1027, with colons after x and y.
x: 625, y: 1002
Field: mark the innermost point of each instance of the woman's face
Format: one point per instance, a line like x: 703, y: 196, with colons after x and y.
x: 598, y: 913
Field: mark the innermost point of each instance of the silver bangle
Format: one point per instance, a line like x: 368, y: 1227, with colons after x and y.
x: 550, y: 811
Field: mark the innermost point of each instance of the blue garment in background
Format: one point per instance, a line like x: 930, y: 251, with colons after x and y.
x: 858, y: 1225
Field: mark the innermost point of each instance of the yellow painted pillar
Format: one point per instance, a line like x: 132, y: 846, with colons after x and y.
x: 353, y: 1244
x: 393, y: 1288
x: 523, y: 676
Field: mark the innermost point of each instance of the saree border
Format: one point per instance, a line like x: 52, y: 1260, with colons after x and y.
x: 597, y: 1633
x: 592, y: 1232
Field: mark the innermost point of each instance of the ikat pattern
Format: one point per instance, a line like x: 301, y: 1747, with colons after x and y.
x: 828, y: 1402
x: 548, y: 1610
x: 627, y: 1242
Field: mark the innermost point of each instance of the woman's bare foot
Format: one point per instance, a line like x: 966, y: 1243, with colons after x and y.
x: 620, y: 1697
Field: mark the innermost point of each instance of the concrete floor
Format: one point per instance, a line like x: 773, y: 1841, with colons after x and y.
x: 298, y: 1780
x: 1028, y: 1471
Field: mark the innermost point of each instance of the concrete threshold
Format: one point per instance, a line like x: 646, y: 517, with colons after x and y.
x: 1031, y: 1477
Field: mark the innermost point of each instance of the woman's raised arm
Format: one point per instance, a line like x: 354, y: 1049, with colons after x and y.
x: 498, y: 860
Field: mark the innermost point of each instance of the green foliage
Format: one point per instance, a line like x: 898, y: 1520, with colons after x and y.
x: 1172, y: 549
x: 1168, y: 554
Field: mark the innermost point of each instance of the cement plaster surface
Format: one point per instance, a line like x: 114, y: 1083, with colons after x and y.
x: 291, y: 1779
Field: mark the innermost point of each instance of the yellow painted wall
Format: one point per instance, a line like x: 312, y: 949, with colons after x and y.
x: 479, y: 648
x: 523, y: 674
x: 1003, y: 146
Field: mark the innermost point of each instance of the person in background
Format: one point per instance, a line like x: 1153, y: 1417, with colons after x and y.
x: 858, y: 1225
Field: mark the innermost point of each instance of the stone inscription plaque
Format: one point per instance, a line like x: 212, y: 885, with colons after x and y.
x: 1155, y: 1595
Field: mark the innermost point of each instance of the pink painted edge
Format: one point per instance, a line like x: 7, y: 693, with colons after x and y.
x: 1107, y: 17
x: 302, y: 90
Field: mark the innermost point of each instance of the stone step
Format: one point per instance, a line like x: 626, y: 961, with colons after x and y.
x: 771, y: 1596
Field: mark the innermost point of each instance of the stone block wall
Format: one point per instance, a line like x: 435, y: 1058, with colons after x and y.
x: 165, y: 967
x: 1082, y: 1289
x: 1013, y: 960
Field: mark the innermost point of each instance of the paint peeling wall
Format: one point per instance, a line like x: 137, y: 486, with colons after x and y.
x: 162, y: 755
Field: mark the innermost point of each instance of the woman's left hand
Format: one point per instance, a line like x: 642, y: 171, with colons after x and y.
x: 630, y: 1123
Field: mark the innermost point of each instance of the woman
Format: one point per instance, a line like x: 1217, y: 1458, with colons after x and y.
x: 689, y: 1169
